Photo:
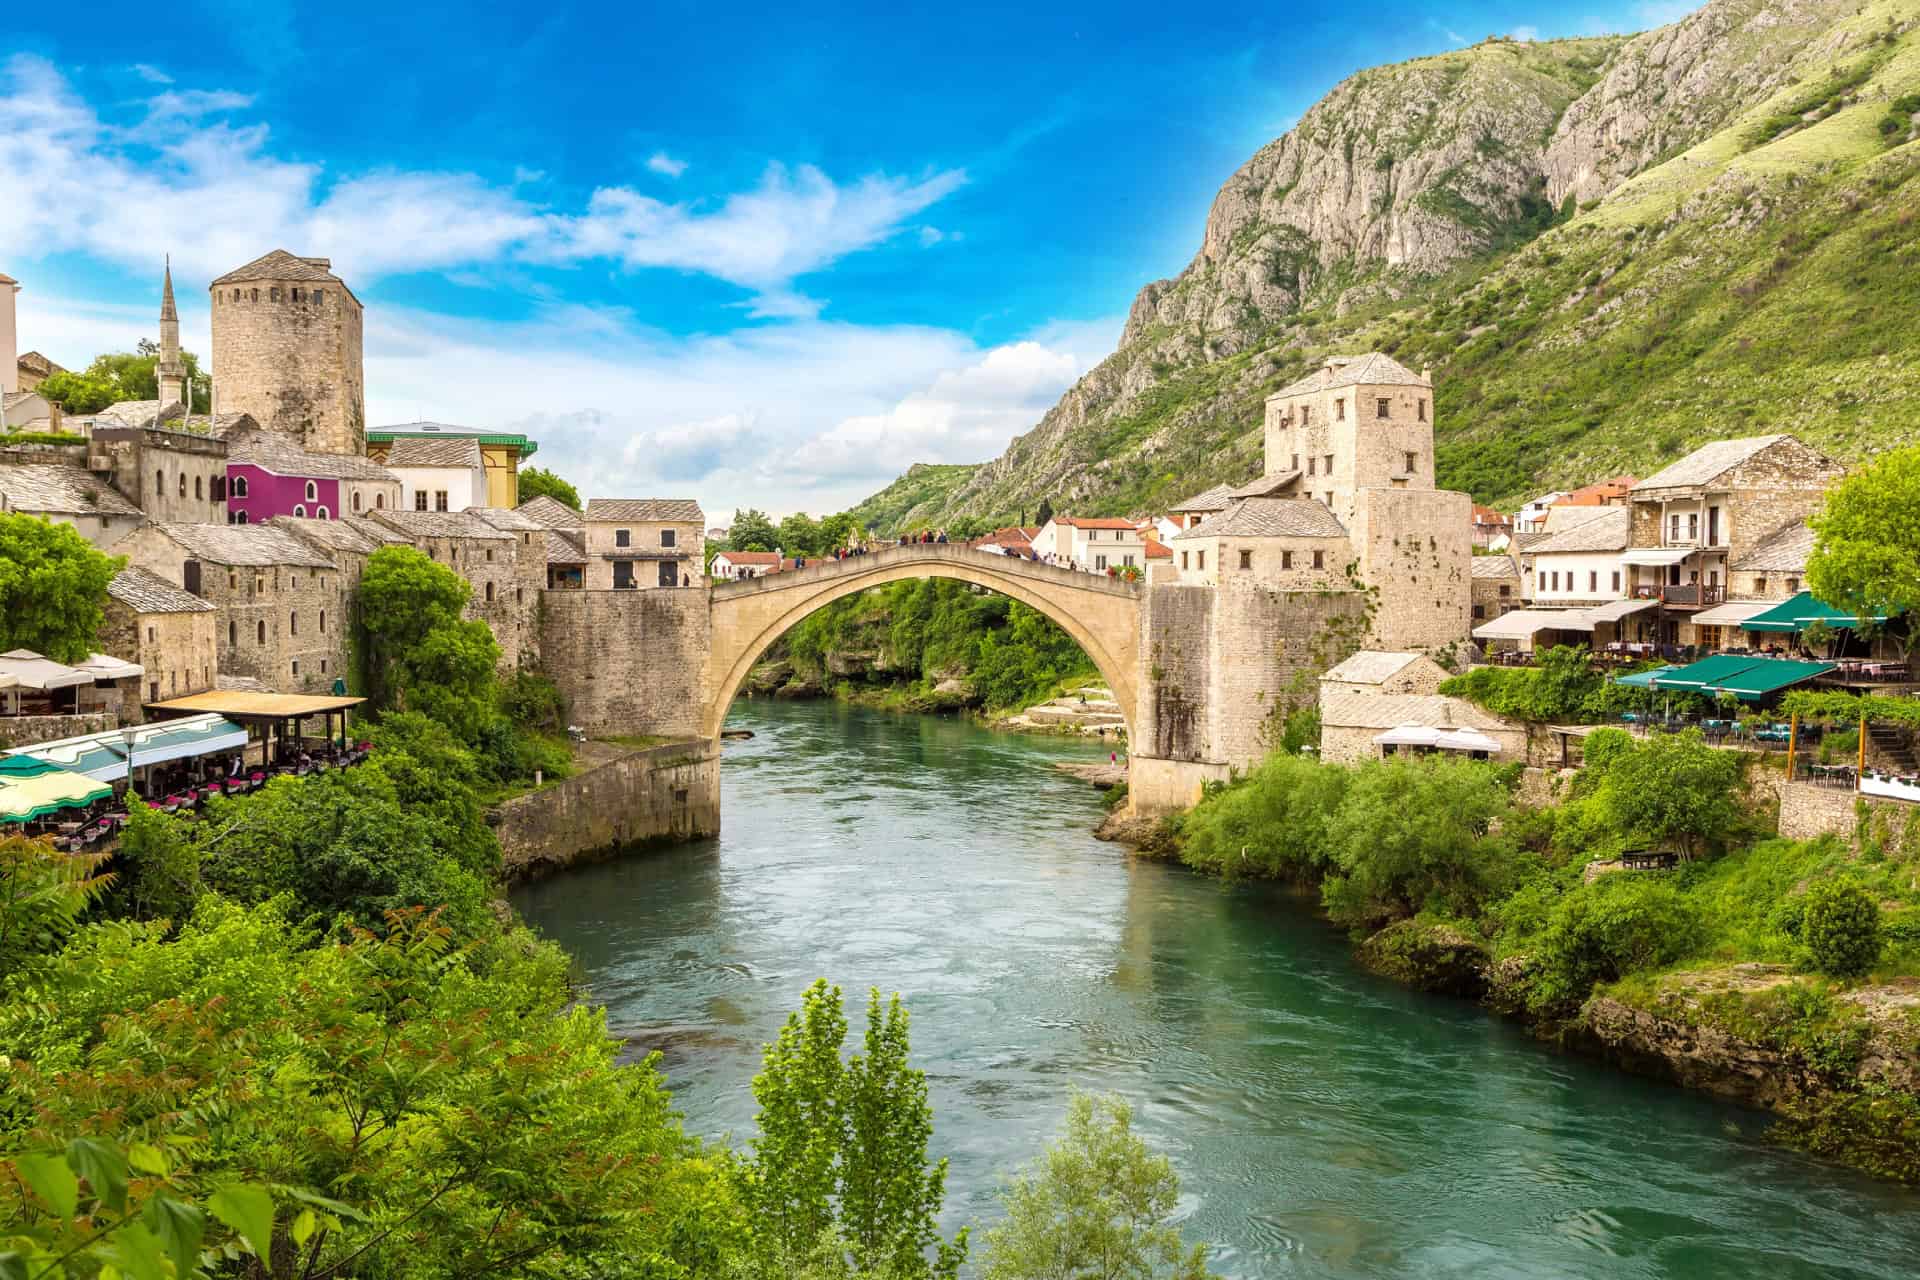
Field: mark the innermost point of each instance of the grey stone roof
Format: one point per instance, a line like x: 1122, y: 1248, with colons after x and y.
x: 145, y: 592
x: 1495, y: 567
x: 677, y: 510
x: 143, y: 413
x: 271, y: 451
x: 374, y: 531
x: 13, y: 398
x: 551, y: 513
x: 1531, y: 540
x: 1269, y: 518
x: 335, y: 535
x: 1605, y: 532
x: 1265, y: 486
x: 280, y: 265
x: 1348, y: 710
x: 34, y: 362
x: 1372, y: 369
x: 428, y: 451
x: 1218, y: 498
x: 245, y: 544
x: 442, y: 524
x: 60, y: 490
x: 1708, y: 462
x: 1785, y: 550
x: 502, y: 518
x: 1370, y: 666
x: 563, y: 549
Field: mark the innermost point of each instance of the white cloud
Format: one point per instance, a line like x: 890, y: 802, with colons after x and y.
x: 185, y: 178
x: 661, y: 162
x: 1452, y: 36
x: 151, y: 74
x: 930, y: 236
x: 1526, y: 35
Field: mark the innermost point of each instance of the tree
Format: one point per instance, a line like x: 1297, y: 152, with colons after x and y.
x: 53, y: 583
x: 1389, y: 867
x: 124, y: 375
x: 752, y: 531
x: 1096, y: 1206
x: 1044, y: 514
x: 837, y: 531
x: 1866, y: 549
x: 420, y: 653
x: 42, y: 896
x: 800, y: 535
x: 1672, y: 788
x: 837, y: 1179
x: 1840, y: 923
x: 537, y: 482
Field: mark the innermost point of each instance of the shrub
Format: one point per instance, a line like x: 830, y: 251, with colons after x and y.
x: 1840, y: 924
x: 1272, y: 823
x: 1601, y: 932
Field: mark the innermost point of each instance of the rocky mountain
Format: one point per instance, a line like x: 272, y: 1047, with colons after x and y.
x: 1607, y: 249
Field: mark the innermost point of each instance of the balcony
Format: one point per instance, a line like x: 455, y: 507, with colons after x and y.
x: 1689, y: 594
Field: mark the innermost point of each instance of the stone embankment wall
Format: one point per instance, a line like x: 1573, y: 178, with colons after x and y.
x: 24, y: 731
x: 629, y: 662
x: 619, y: 800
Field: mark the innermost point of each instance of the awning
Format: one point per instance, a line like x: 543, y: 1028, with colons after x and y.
x: 32, y: 789
x: 1768, y: 676
x: 244, y: 704
x: 1698, y: 675
x: 1656, y: 555
x: 1522, y: 623
x: 1466, y: 740
x: 1408, y: 735
x: 104, y: 667
x: 1614, y: 610
x: 1731, y: 614
x: 1643, y: 679
x: 31, y: 671
x: 102, y: 756
x: 1802, y: 612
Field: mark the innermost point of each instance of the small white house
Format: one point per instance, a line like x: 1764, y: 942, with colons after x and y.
x: 1532, y: 518
x: 731, y: 566
x: 1583, y: 564
x: 1092, y: 545
x: 443, y: 473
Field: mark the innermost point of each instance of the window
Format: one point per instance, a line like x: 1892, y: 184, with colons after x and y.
x: 260, y: 632
x: 1183, y: 559
x: 1099, y: 562
x: 1759, y: 586
x: 233, y: 634
x: 1296, y: 463
x: 1326, y: 464
x: 1505, y: 591
x: 1203, y: 560
x: 323, y: 587
x: 379, y: 502
x: 623, y: 537
x: 183, y: 484
x: 1246, y: 559
x: 296, y: 293
x: 1616, y: 579
x: 1286, y: 559
x: 319, y: 296
x: 293, y: 623
x: 489, y: 555
x: 253, y: 295
x: 273, y: 293
x: 300, y: 510
x: 313, y: 491
x: 1310, y: 463
x: 1339, y: 409
x: 1410, y: 461
x: 1479, y: 612
x: 153, y: 691
x: 323, y: 666
x: 296, y: 666
x: 420, y: 500
x: 519, y: 596
x: 1380, y: 409
x: 623, y: 575
x: 1420, y: 410
x: 240, y: 517
x: 1673, y: 528
x: 1793, y: 585
x: 198, y: 495
x: 239, y: 486
x: 233, y: 580
x: 323, y: 622
x: 259, y: 585
x: 321, y: 513
x: 1319, y: 559
x: 667, y: 537
x: 440, y: 500
x: 356, y: 501
x: 219, y: 490
x: 489, y: 593
x: 1306, y: 414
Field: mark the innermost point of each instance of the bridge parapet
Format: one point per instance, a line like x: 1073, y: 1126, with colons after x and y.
x: 933, y: 553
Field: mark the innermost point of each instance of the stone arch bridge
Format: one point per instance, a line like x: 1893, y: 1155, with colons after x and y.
x: 1101, y: 614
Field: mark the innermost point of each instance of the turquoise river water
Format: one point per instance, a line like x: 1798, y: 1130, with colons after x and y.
x: 1325, y: 1123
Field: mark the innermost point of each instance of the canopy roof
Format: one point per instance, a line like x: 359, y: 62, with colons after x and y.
x: 1802, y: 612
x: 244, y: 704
x: 1698, y: 675
x: 31, y: 788
x: 1466, y: 740
x: 1643, y: 679
x: 31, y: 671
x: 1656, y: 555
x: 1732, y: 613
x: 102, y: 756
x: 1522, y: 623
x: 1746, y: 678
x: 1408, y: 735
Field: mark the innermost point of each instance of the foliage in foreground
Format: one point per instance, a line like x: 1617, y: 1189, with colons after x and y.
x: 52, y: 585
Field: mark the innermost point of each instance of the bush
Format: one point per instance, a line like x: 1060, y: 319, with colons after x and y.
x: 1271, y: 824
x: 1840, y: 924
x: 1601, y: 932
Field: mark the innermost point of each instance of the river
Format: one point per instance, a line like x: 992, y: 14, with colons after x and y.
x: 1324, y: 1122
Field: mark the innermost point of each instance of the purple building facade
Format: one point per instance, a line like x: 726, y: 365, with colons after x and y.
x: 269, y: 475
x: 255, y: 494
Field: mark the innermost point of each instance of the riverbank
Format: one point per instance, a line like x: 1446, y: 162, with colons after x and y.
x: 1699, y: 976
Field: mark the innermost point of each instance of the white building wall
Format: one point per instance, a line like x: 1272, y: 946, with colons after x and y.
x: 465, y: 486
x: 1584, y: 577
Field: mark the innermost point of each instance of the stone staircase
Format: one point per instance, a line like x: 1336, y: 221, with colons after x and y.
x: 1889, y: 743
x: 1090, y: 710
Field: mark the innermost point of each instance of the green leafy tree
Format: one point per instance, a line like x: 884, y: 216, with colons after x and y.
x: 158, y: 868
x: 421, y: 654
x: 1044, y: 514
x: 1672, y: 789
x: 837, y: 1179
x: 1840, y: 923
x: 1866, y: 550
x: 1273, y: 824
x: 800, y: 535
x: 1449, y: 860
x: 752, y: 531
x: 53, y: 584
x: 1603, y: 931
x: 537, y: 482
x: 837, y: 531
x: 43, y: 894
x: 124, y: 375
x: 1097, y: 1206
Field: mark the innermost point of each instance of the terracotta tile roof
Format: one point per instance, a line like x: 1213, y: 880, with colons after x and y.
x: 1159, y: 551
x: 550, y: 513
x: 677, y: 510
x: 432, y: 451
x: 1269, y: 518
x: 60, y: 490
x: 1218, y: 498
x: 1373, y: 369
x: 271, y: 451
x: 442, y: 524
x: 1607, y: 531
x: 280, y: 265
x: 752, y: 557
x: 1785, y: 550
x: 1588, y: 495
x: 145, y: 592
x: 1708, y: 462
x: 245, y: 544
x: 1485, y: 567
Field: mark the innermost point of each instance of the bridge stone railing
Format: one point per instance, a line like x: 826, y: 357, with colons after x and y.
x: 933, y: 553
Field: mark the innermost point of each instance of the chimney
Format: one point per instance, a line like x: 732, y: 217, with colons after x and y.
x: 1426, y: 373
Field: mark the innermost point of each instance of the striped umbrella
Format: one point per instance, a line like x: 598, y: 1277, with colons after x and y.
x: 32, y: 789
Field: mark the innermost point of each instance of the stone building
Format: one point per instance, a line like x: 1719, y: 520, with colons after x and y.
x: 1350, y: 722
x: 270, y: 475
x: 170, y: 370
x: 489, y: 559
x: 1371, y: 671
x: 68, y: 495
x: 281, y: 604
x: 1292, y: 543
x: 349, y: 543
x: 643, y: 543
x: 169, y: 632
x: 287, y: 349
x: 32, y: 369
x: 1695, y: 518
x: 1581, y: 565
x: 566, y: 541
x: 1496, y: 586
x: 170, y: 473
x: 501, y: 453
x: 1775, y: 568
x: 533, y: 570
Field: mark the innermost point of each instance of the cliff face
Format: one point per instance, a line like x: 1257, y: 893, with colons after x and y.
x: 1529, y: 219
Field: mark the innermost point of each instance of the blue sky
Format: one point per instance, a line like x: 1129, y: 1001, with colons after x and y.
x: 760, y: 257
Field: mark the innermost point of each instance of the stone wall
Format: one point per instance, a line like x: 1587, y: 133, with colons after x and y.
x: 178, y: 651
x: 170, y: 475
x: 670, y: 792
x: 1269, y: 650
x: 24, y: 731
x: 1177, y: 650
x: 1415, y: 551
x: 294, y: 365
x: 628, y: 662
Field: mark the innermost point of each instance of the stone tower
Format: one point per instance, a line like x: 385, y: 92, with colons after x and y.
x: 170, y: 369
x: 286, y: 349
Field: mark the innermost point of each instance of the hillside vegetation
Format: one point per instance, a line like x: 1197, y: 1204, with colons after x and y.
x: 1608, y: 251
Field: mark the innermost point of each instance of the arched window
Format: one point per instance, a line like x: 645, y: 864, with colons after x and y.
x: 293, y: 622
x: 240, y: 518
x: 197, y: 494
x: 321, y: 513
x: 183, y: 484
x: 313, y: 492
x: 323, y: 622
x: 239, y: 486
x: 379, y: 502
x: 159, y: 483
x: 233, y: 633
x: 300, y: 511
x: 489, y: 593
x: 356, y: 502
x: 261, y: 634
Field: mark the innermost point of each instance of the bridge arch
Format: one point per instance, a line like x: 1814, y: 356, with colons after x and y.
x: 1101, y: 614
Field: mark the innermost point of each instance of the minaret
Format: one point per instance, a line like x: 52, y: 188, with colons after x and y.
x: 171, y: 372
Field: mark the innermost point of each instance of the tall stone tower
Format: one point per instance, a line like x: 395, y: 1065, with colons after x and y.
x: 170, y: 369
x: 286, y: 349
